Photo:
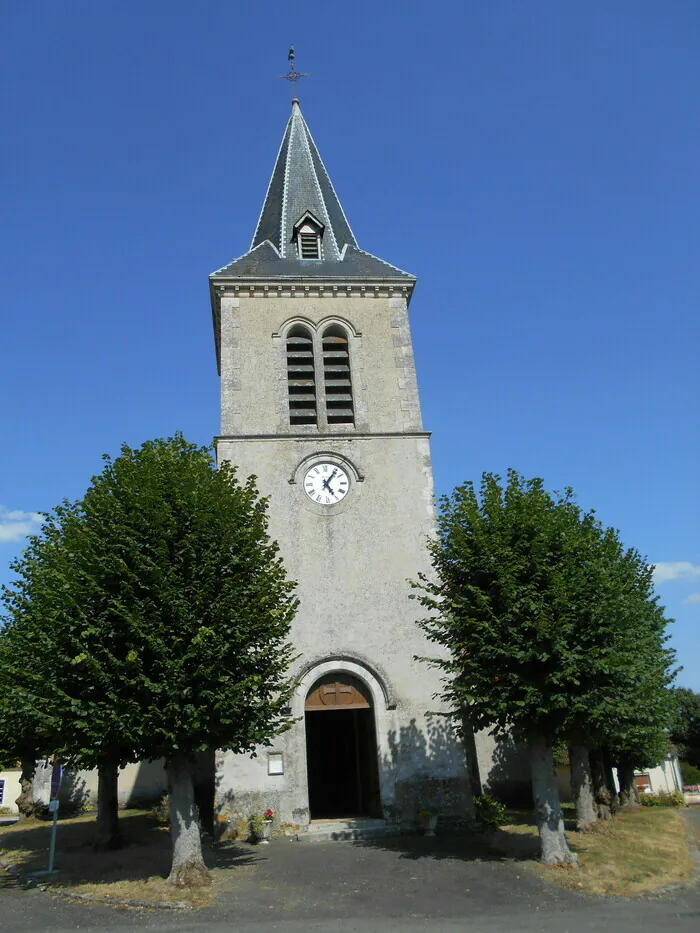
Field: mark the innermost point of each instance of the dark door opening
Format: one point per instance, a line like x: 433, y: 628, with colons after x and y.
x: 341, y: 756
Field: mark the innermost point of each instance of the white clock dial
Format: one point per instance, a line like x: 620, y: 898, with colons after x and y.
x: 326, y: 483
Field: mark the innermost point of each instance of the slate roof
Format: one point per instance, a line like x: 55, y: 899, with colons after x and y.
x: 300, y: 183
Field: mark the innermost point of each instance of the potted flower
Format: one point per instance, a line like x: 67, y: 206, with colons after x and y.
x: 428, y: 821
x: 261, y: 826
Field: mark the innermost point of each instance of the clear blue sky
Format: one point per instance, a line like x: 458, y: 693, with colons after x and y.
x: 534, y: 164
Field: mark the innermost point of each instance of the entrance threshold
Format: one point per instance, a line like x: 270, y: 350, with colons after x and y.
x: 351, y: 818
x: 349, y: 829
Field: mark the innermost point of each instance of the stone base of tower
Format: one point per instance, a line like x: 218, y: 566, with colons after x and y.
x: 354, y: 753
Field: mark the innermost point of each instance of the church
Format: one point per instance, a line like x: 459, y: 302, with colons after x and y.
x: 319, y: 400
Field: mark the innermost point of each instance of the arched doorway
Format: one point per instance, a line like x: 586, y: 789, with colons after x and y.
x: 341, y: 749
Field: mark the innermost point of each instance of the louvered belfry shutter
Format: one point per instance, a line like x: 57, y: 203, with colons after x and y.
x: 301, y: 384
x: 337, y: 377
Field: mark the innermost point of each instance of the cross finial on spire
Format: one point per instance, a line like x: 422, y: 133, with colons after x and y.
x: 293, y: 75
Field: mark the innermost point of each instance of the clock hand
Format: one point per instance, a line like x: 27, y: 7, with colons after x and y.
x: 326, y: 482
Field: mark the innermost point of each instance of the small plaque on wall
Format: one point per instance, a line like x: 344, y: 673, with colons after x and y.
x: 275, y: 763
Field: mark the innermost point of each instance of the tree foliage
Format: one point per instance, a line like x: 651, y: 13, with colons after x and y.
x: 551, y: 625
x: 151, y: 617
x: 685, y: 728
x: 501, y: 604
x: 623, y: 704
x: 61, y: 703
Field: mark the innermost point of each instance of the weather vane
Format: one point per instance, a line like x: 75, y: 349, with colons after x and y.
x: 293, y: 75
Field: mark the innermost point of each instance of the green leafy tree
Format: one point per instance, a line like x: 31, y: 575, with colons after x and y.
x: 685, y: 726
x: 690, y: 774
x: 552, y: 631
x: 619, y: 709
x: 499, y: 604
x: 25, y: 733
x: 30, y: 704
x: 174, y: 609
x: 52, y: 609
x: 636, y: 736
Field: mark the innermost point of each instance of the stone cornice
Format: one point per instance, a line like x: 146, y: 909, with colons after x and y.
x: 326, y: 438
x: 300, y: 287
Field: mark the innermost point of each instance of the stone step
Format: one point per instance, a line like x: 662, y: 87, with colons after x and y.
x: 345, y: 830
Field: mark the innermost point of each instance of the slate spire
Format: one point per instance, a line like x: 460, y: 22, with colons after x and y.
x: 300, y: 189
x: 300, y: 183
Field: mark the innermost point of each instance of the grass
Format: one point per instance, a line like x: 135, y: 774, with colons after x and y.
x: 136, y: 872
x: 638, y: 853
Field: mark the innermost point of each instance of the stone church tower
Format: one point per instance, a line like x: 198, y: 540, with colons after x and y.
x: 319, y: 399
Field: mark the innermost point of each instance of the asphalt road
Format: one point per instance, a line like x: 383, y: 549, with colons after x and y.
x: 390, y: 886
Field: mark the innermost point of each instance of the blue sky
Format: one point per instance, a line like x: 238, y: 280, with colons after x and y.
x: 534, y: 164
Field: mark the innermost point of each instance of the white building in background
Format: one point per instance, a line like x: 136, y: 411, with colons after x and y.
x: 9, y: 789
x: 140, y: 784
x: 665, y: 778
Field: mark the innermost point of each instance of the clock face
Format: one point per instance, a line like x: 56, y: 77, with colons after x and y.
x: 326, y: 483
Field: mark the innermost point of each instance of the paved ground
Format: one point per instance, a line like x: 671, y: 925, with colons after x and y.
x: 389, y: 886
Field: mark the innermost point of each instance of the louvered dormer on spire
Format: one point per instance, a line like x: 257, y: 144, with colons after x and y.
x: 300, y: 186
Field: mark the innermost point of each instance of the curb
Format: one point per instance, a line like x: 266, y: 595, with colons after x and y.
x: 32, y: 883
x: 126, y: 902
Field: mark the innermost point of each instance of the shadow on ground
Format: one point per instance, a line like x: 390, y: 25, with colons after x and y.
x: 146, y: 853
x: 491, y: 846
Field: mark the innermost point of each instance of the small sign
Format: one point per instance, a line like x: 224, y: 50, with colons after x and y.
x: 275, y: 763
x: 53, y: 806
x: 56, y: 776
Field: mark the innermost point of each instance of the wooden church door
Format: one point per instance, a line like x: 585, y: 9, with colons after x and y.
x: 341, y: 749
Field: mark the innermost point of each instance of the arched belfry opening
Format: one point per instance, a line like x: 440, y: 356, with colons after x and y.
x: 341, y: 749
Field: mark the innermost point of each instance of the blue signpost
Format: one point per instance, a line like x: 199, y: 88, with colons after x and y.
x: 56, y: 777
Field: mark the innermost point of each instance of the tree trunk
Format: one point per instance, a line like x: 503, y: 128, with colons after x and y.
x: 107, y: 832
x: 600, y: 786
x: 26, y: 804
x: 610, y: 781
x: 555, y: 849
x: 467, y: 732
x: 188, y: 868
x: 204, y: 780
x: 582, y: 787
x: 628, y: 789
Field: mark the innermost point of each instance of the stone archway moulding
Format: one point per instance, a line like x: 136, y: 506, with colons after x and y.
x: 315, y: 327
x: 381, y: 697
x: 333, y: 455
